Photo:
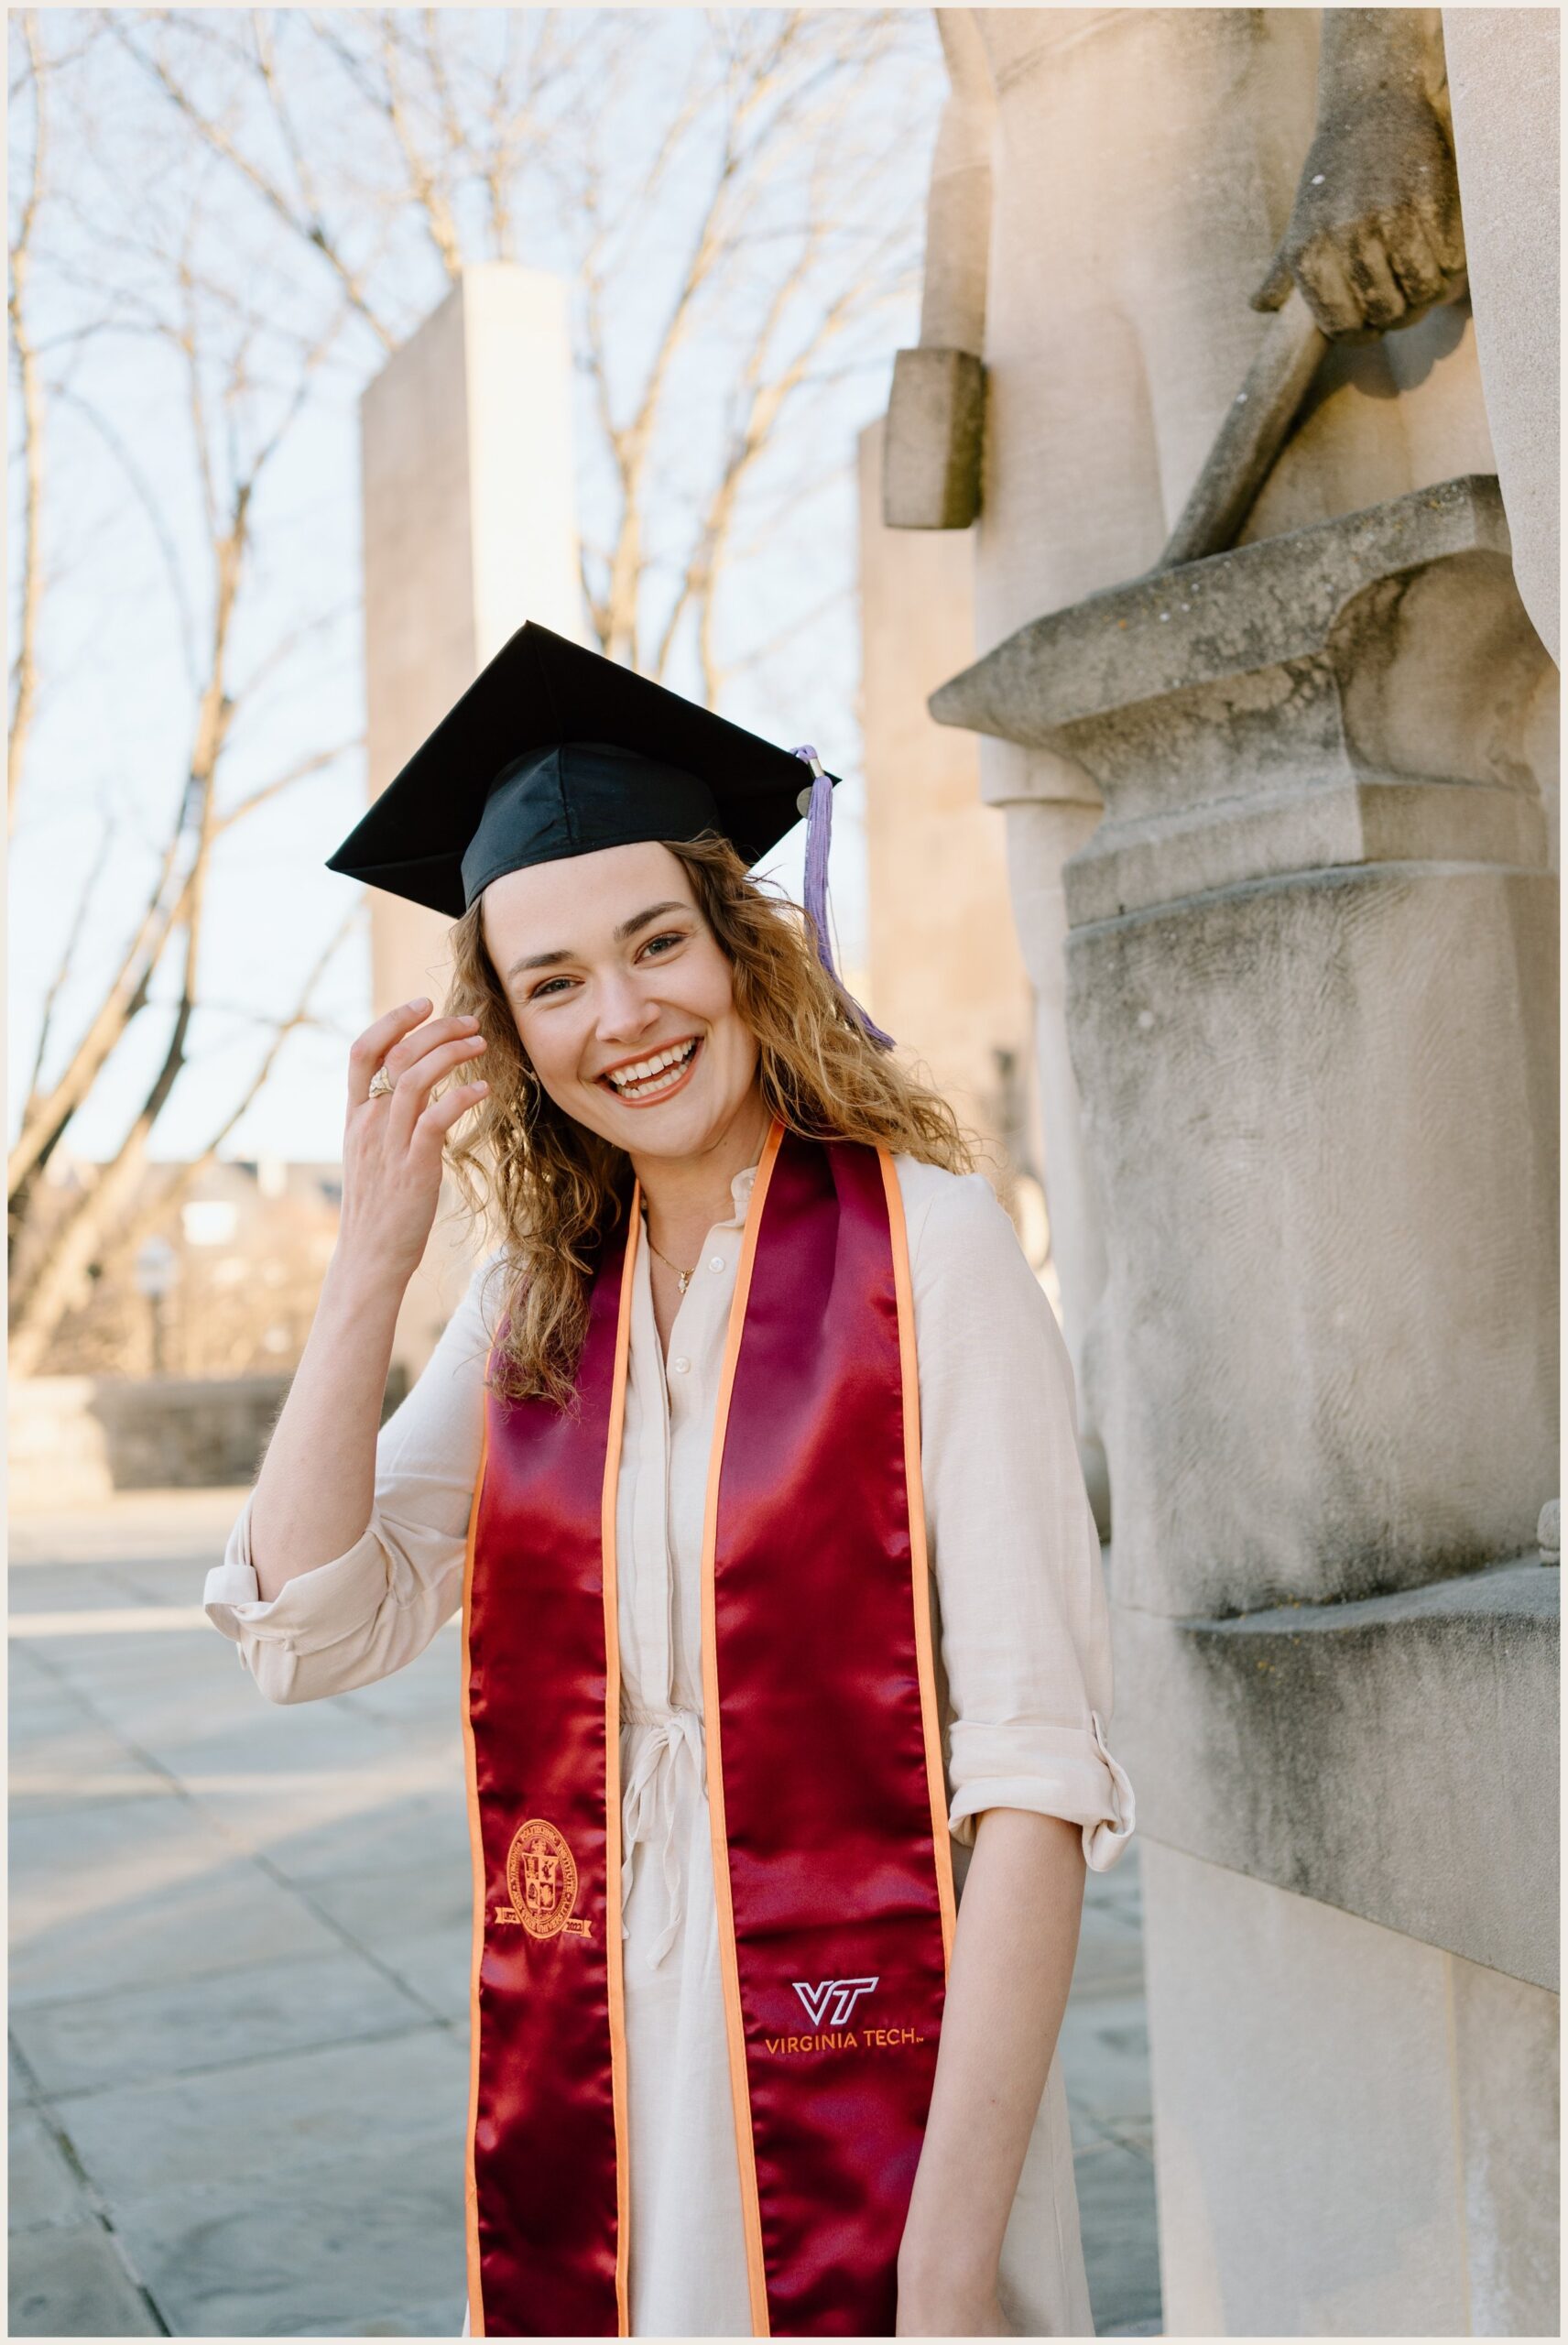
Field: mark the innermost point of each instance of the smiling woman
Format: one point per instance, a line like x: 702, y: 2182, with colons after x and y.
x: 686, y: 1012
x: 771, y: 1547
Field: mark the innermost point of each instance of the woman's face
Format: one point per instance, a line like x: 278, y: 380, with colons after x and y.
x: 623, y: 999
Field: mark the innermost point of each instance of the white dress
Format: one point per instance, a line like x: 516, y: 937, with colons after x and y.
x: 1024, y: 1677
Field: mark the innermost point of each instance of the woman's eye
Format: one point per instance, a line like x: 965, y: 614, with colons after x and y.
x: 671, y: 936
x: 549, y: 987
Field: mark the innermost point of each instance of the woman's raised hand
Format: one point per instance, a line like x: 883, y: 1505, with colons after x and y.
x: 394, y: 1140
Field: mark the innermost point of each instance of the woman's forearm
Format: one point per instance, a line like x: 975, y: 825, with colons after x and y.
x: 313, y: 1496
x: 317, y: 1485
x: 1012, y: 1965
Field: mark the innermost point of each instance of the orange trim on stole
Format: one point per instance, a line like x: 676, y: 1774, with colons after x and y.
x: 740, y: 2091
x: 919, y: 1558
x: 477, y: 1845
x: 614, y: 1951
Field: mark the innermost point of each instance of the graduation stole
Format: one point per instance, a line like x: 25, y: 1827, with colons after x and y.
x: 830, y: 1854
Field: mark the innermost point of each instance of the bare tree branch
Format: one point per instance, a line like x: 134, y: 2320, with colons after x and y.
x: 175, y: 902
x: 267, y: 791
x: 428, y: 193
x: 67, y: 961
x: 155, y: 1216
x: 312, y: 229
x: 152, y: 507
x: 24, y: 665
x: 46, y: 1118
x: 104, y: 1225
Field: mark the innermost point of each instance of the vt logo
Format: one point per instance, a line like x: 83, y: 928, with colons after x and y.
x: 831, y: 2001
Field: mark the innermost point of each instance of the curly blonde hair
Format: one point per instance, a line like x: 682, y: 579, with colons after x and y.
x: 553, y: 1191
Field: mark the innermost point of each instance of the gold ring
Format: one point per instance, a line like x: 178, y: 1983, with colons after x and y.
x: 381, y: 1083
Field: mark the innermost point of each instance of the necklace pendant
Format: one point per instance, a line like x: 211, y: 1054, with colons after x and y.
x: 685, y: 1278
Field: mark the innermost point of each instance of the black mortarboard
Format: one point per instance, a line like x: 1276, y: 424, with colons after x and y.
x: 554, y: 751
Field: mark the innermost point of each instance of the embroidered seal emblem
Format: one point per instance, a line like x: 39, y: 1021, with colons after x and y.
x: 542, y: 1878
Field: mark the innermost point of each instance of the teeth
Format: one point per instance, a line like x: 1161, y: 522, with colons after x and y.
x: 634, y: 1078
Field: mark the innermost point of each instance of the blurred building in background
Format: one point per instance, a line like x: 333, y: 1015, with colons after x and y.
x: 171, y: 1370
x: 226, y: 1286
x: 1266, y: 700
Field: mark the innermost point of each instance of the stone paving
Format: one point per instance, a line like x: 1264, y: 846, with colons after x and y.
x: 239, y: 1975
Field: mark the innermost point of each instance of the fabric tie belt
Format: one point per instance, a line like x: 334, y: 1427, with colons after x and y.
x: 648, y: 1800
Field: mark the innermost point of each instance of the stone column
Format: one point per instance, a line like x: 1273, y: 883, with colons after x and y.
x: 1504, y: 81
x: 469, y: 530
x: 1311, y: 1000
x: 947, y: 978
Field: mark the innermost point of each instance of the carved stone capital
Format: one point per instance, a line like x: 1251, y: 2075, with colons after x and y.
x: 1306, y: 702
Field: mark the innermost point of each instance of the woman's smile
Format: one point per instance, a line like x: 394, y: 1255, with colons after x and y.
x: 655, y: 1076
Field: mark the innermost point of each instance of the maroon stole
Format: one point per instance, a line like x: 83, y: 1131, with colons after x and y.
x: 831, y: 1862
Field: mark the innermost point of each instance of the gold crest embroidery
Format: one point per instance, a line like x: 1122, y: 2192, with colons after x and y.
x: 541, y: 1877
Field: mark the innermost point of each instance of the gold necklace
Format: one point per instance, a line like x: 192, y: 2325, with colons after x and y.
x: 685, y: 1277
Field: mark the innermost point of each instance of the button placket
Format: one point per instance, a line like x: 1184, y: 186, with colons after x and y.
x: 652, y: 1570
x: 696, y: 1341
x: 688, y: 1331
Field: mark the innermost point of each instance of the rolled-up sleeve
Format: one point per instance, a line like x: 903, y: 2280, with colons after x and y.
x: 375, y: 1607
x: 1015, y: 1550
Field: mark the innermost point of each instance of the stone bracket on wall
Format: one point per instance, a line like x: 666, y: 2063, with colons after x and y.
x: 1396, y: 1758
x: 1305, y: 702
x: 931, y: 447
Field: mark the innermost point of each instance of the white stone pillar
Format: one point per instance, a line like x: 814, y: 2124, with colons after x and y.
x: 947, y: 979
x: 470, y: 529
x: 1504, y: 83
x: 1389, y: 2166
x: 1044, y: 834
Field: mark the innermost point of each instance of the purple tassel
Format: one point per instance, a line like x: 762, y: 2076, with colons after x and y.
x: 818, y: 840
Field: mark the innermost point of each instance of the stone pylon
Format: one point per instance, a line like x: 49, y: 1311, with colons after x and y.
x: 470, y: 529
x: 947, y: 977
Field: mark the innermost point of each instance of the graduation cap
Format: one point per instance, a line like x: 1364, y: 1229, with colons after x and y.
x: 555, y: 751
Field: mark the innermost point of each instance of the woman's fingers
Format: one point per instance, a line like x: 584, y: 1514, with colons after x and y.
x: 370, y: 1048
x: 416, y: 1081
x: 405, y: 1055
x: 437, y: 1118
x: 393, y: 1147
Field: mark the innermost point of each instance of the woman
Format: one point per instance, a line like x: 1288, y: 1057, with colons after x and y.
x: 750, y: 1458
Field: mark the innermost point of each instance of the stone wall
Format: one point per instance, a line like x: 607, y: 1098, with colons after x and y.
x: 1356, y: 2132
x: 75, y: 1440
